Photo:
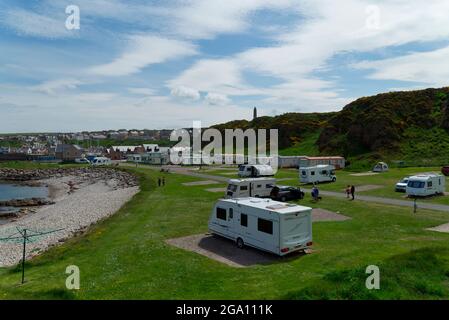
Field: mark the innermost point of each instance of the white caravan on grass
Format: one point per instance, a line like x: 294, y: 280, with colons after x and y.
x: 255, y: 171
x: 317, y: 174
x: 101, y: 161
x: 253, y: 187
x: 265, y: 224
x: 424, y: 185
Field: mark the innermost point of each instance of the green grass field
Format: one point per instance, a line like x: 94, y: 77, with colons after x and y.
x: 125, y: 257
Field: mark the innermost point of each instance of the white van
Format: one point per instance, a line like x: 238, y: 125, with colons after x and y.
x: 101, y: 161
x: 317, y: 174
x: 265, y: 224
x: 253, y: 187
x: 255, y: 171
x: 426, y: 185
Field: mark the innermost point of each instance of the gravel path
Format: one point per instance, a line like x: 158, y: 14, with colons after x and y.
x: 78, y: 204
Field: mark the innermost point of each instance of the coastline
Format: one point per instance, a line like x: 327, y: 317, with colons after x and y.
x: 79, y: 202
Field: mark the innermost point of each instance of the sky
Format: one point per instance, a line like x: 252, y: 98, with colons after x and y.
x: 164, y: 64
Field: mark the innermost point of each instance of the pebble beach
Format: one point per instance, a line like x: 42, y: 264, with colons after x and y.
x: 81, y: 198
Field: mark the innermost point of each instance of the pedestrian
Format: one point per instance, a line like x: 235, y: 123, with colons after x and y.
x: 159, y: 182
x: 352, y: 192
x: 348, y: 191
x: 163, y: 181
x: 315, y: 193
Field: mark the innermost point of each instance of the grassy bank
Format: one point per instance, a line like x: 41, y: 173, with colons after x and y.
x: 125, y: 257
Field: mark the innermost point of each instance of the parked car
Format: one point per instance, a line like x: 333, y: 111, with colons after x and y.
x: 286, y: 193
x: 401, y: 186
x: 445, y: 170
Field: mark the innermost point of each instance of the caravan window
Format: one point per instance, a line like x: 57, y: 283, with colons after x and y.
x: 232, y: 187
x: 429, y: 184
x: 243, y: 220
x: 221, y: 213
x: 416, y: 184
x: 231, y: 213
x: 324, y: 172
x: 303, y: 173
x: 265, y: 226
x: 259, y: 186
x: 312, y: 173
x: 243, y: 188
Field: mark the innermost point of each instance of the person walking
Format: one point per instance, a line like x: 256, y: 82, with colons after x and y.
x: 159, y: 182
x: 348, y: 191
x: 352, y: 192
x: 163, y: 181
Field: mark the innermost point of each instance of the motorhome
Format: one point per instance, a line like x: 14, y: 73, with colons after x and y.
x: 265, y: 224
x: 255, y: 171
x: 252, y: 187
x: 317, y: 174
x: 424, y: 185
x: 101, y: 161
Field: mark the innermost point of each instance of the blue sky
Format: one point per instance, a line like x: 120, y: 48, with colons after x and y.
x: 164, y: 64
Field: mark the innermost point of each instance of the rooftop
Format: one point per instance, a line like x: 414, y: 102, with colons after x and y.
x: 268, y: 204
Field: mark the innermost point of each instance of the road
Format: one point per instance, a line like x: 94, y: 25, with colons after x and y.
x: 387, y: 201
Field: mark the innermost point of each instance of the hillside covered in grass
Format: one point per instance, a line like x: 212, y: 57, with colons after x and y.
x: 412, y: 126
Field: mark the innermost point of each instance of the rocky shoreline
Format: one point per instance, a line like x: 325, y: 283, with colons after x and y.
x: 124, y: 179
x: 78, y: 198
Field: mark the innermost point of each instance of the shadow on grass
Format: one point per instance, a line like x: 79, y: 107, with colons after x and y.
x: 418, y: 274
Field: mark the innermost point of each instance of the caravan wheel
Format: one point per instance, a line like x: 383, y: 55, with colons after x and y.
x: 240, y: 243
x: 334, y: 179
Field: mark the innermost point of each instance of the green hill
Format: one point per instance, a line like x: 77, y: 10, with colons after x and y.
x: 411, y: 126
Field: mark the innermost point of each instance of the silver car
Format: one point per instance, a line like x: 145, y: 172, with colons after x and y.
x: 401, y: 185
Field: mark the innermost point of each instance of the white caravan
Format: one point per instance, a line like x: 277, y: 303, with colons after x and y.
x: 317, y: 174
x: 272, y: 226
x: 253, y: 187
x: 426, y: 185
x: 255, y: 171
x: 101, y: 161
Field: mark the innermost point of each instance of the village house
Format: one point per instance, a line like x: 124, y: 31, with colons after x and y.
x: 68, y: 152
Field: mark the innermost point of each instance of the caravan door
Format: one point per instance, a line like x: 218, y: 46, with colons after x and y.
x: 224, y: 221
x: 267, y: 234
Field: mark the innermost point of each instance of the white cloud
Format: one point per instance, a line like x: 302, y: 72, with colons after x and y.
x: 142, y: 91
x: 185, y: 92
x: 202, y: 19
x: 217, y: 99
x: 142, y: 51
x: 52, y: 86
x: 34, y: 24
x: 430, y: 68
